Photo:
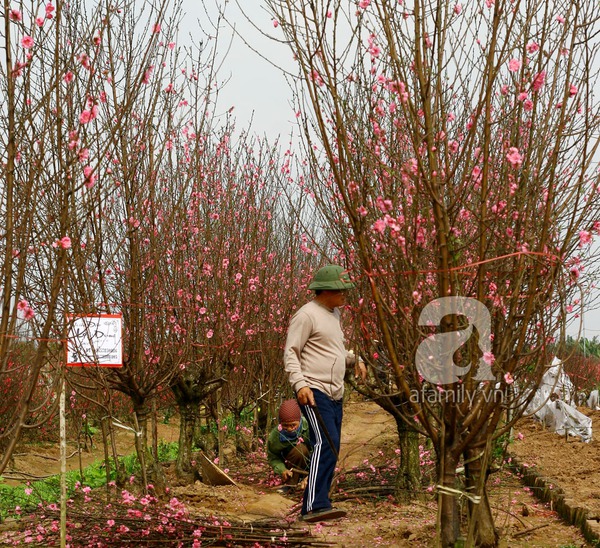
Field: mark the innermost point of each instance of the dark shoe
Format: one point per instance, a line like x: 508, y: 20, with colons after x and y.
x: 323, y: 515
x: 286, y: 489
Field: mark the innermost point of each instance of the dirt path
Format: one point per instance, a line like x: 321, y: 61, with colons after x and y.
x: 40, y: 460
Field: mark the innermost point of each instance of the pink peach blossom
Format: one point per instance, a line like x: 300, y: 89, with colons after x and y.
x: 514, y: 64
x: 539, y: 80
x: 84, y: 59
x: 585, y: 237
x: 489, y: 358
x: 87, y: 116
x: 28, y: 314
x: 90, y: 176
x: 514, y: 157
x: 147, y: 75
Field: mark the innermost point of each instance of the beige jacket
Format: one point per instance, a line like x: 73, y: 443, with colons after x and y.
x: 315, y: 354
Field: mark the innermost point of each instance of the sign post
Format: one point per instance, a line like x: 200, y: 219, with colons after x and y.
x: 93, y: 340
x: 63, y: 466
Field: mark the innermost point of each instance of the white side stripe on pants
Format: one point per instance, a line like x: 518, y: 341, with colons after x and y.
x: 316, y: 455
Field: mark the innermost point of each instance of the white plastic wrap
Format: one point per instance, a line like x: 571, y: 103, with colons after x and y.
x: 552, y: 405
x: 592, y: 401
x: 556, y: 381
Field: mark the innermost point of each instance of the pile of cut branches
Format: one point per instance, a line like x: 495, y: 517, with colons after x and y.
x: 145, y: 521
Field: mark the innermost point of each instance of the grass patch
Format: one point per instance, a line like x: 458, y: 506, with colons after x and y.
x: 22, y: 499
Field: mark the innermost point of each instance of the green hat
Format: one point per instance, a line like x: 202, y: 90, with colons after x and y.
x: 331, y: 277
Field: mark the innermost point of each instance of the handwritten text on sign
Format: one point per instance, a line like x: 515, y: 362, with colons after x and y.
x: 95, y: 340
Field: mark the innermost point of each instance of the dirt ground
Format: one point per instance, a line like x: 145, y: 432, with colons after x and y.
x: 568, y: 463
x: 368, y: 435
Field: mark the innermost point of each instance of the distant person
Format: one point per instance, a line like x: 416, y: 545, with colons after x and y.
x: 288, y: 447
x: 315, y: 358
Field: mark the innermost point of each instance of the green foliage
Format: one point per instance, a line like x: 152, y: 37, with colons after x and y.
x: 131, y: 464
x: 169, y: 412
x: 499, y: 447
x: 583, y: 346
x: 246, y: 419
x: 167, y: 452
x: 88, y: 430
x: 95, y: 475
x: 25, y: 498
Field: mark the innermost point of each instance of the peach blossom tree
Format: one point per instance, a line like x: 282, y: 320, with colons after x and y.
x: 148, y: 104
x: 228, y: 280
x: 92, y: 98
x: 38, y: 184
x: 452, y: 152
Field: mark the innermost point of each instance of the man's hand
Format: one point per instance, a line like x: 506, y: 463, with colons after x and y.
x: 286, y: 475
x: 305, y: 396
x: 360, y: 370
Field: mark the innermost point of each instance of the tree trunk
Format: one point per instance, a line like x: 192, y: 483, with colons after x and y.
x: 120, y: 475
x: 188, y: 417
x: 449, y: 523
x: 152, y: 472
x: 481, y: 520
x: 220, y: 432
x: 408, y: 480
x: 154, y: 423
x: 106, y: 457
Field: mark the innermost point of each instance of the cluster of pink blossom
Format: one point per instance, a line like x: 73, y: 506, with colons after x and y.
x: 26, y: 310
x: 142, y: 517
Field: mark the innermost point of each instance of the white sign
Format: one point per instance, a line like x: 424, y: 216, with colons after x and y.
x: 95, y: 340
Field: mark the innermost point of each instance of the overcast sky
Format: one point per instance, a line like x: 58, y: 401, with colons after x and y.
x: 256, y: 89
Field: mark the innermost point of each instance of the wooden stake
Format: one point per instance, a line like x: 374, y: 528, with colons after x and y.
x: 63, y: 468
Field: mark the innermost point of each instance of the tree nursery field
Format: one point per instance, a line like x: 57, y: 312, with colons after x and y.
x: 253, y: 513
x: 154, y: 250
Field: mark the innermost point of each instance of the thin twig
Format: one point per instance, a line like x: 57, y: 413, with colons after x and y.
x: 527, y: 531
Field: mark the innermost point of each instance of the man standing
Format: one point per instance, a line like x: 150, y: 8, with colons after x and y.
x: 315, y: 359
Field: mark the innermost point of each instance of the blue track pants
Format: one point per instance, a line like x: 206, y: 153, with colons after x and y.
x: 324, y: 459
